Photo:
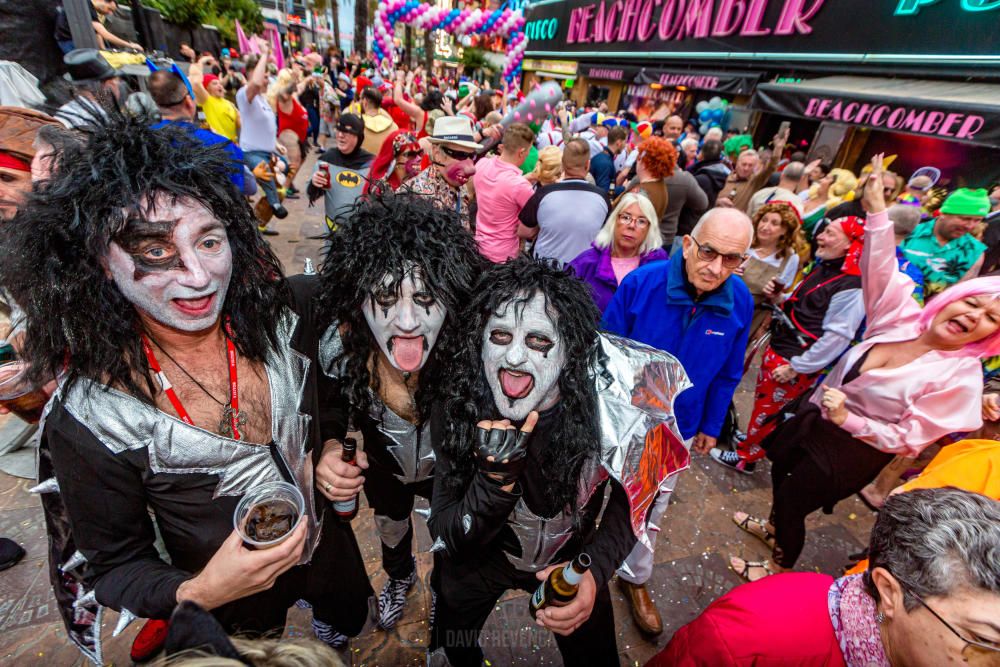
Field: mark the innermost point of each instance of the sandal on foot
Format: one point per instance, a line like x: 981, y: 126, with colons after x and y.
x: 750, y: 564
x: 744, y: 525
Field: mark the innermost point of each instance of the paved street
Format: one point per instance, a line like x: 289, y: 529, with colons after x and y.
x: 696, y: 540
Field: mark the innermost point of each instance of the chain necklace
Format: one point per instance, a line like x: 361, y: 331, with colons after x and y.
x: 232, y: 419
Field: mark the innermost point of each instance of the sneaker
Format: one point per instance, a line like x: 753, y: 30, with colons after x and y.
x: 732, y: 460
x: 280, y: 212
x: 263, y: 229
x: 328, y: 635
x: 392, y: 600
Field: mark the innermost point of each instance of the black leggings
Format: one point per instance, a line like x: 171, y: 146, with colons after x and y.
x: 469, y: 593
x: 802, y: 486
x: 389, y: 497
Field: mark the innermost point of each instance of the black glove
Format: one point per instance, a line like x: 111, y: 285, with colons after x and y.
x: 507, y: 446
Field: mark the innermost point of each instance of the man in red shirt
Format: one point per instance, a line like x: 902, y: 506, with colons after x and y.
x: 501, y: 193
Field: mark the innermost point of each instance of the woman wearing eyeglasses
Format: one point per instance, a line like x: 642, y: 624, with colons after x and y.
x: 930, y: 598
x: 629, y: 239
x: 915, y: 378
x: 397, y: 161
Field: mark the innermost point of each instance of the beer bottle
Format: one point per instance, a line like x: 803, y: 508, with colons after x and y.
x: 347, y: 509
x: 561, y: 586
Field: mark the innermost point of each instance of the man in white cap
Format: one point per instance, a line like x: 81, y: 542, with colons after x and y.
x: 452, y: 150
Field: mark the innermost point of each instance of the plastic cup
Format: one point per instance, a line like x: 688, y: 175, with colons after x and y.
x: 18, y: 394
x: 268, y: 514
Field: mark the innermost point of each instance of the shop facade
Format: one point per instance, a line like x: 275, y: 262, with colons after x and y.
x: 777, y: 60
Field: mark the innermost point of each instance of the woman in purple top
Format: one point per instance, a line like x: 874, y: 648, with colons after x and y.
x: 629, y: 239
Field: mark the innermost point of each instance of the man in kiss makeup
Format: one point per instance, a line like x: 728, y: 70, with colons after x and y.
x: 396, y: 273
x: 540, y: 415
x: 187, y: 368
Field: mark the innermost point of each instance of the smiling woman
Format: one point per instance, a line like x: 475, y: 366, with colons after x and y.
x: 914, y: 378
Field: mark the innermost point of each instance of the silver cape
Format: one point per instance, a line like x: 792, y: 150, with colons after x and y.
x: 640, y: 445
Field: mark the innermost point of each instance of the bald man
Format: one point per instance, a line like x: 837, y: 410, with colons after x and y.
x: 693, y: 307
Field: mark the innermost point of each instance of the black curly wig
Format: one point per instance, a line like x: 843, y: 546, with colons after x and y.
x: 51, y: 253
x: 379, y: 236
x: 468, y: 398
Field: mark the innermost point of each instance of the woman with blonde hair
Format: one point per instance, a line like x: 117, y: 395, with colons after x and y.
x: 629, y: 239
x: 548, y: 169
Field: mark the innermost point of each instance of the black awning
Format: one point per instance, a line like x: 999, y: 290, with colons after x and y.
x: 954, y: 111
x: 729, y: 83
x: 609, y: 72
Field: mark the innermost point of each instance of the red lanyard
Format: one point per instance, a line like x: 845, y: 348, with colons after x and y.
x: 234, y: 395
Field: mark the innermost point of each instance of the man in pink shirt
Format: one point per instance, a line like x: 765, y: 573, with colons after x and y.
x: 501, y: 192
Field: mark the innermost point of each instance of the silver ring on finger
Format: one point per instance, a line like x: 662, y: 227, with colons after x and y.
x: 327, y: 486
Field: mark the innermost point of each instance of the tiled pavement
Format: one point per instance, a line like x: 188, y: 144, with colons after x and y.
x: 692, y: 554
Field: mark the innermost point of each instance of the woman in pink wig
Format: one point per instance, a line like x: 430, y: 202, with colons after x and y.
x: 914, y: 378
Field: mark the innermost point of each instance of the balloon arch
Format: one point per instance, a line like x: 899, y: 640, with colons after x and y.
x: 458, y: 22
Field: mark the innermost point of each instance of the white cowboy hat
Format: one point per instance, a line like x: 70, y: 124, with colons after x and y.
x: 454, y: 130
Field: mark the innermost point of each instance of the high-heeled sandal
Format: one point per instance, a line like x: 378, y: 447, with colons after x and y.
x: 744, y: 525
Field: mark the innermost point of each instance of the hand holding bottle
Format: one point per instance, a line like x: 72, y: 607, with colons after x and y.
x: 565, y: 620
x: 335, y: 478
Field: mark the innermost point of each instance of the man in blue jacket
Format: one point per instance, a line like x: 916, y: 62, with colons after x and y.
x: 694, y: 308
x: 602, y: 165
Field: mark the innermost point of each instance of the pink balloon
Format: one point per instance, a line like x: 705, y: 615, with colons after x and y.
x: 531, y: 103
x: 548, y: 108
x: 517, y: 115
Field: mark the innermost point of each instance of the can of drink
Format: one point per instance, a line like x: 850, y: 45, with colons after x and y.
x: 324, y: 168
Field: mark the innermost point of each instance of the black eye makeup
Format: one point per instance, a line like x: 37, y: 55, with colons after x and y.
x: 501, y: 337
x: 538, y: 343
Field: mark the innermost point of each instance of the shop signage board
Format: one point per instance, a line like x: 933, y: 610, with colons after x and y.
x: 892, y: 106
x: 931, y: 33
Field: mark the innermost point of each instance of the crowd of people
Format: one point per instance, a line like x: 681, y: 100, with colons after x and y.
x: 493, y: 283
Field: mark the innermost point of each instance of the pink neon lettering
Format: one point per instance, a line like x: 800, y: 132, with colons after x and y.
x: 849, y: 110
x: 598, y: 32
x: 574, y: 20
x: 587, y: 13
x: 878, y: 114
x: 969, y: 128
x: 670, y: 17
x: 727, y: 20
x: 630, y: 12
x: 755, y: 14
x: 696, y: 22
x: 933, y: 122
x: 950, y: 120
x: 896, y: 118
x: 811, y: 106
x: 793, y: 19
x: 645, y: 27
x: 914, y: 119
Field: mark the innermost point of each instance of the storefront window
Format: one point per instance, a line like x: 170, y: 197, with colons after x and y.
x: 597, y: 94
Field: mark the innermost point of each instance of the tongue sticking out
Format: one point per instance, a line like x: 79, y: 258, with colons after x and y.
x: 516, y: 386
x: 408, y: 352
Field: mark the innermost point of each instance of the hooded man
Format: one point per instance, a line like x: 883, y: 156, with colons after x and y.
x: 187, y: 378
x: 341, y: 171
x: 396, y: 273
x: 378, y: 122
x: 525, y: 450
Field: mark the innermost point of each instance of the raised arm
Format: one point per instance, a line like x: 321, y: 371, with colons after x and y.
x: 887, y: 291
x: 257, y: 83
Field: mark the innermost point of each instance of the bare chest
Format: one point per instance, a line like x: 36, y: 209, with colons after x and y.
x: 204, y: 392
x: 887, y: 356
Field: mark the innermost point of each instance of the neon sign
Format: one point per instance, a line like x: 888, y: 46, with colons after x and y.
x: 911, y: 7
x: 542, y: 29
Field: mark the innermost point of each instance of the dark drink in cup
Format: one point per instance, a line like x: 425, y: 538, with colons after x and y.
x: 268, y: 514
x: 18, y: 394
x: 271, y: 520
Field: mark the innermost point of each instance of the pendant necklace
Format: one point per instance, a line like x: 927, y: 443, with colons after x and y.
x: 232, y: 419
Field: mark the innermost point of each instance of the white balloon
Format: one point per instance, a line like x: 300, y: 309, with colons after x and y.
x: 701, y: 106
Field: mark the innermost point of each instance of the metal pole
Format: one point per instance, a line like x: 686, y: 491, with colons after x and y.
x: 80, y: 26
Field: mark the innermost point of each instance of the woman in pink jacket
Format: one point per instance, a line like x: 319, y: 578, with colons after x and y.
x: 914, y: 378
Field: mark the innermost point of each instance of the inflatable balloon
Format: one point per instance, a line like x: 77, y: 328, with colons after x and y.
x: 701, y: 106
x: 461, y: 23
x: 715, y: 102
x: 532, y: 108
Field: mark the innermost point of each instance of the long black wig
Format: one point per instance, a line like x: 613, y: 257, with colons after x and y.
x: 51, y: 253
x: 468, y: 397
x: 386, y: 233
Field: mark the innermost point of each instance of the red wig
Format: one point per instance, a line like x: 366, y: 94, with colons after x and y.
x: 658, y: 156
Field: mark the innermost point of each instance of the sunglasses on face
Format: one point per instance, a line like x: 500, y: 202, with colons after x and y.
x: 456, y: 154
x: 707, y: 253
x: 409, y: 154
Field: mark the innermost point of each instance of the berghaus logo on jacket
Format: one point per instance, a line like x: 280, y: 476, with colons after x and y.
x: 713, y: 332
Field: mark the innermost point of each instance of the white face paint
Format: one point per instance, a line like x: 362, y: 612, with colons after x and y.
x: 523, y: 357
x: 405, y: 322
x: 174, y: 267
